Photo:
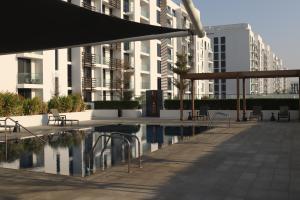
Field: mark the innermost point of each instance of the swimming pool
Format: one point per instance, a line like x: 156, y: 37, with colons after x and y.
x: 65, y: 153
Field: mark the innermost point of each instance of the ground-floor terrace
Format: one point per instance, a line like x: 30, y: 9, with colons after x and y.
x: 249, y: 160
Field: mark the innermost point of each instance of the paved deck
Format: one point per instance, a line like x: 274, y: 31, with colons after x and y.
x: 248, y: 161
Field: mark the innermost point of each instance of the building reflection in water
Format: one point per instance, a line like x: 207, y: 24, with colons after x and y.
x: 65, y: 152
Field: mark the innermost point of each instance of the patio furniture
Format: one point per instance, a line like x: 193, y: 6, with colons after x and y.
x: 284, y: 113
x: 61, y: 119
x: 203, y: 113
x: 256, y: 113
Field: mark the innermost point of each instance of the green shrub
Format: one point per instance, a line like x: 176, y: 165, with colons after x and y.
x: 71, y: 103
x: 102, y: 105
x: 65, y: 104
x: 11, y: 104
x: 77, y: 103
x: 53, y: 103
x: 230, y: 104
x: 33, y: 106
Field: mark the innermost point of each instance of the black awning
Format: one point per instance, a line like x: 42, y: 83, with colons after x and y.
x: 30, y: 25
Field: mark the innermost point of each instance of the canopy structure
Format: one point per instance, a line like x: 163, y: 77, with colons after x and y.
x: 238, y: 76
x: 32, y: 25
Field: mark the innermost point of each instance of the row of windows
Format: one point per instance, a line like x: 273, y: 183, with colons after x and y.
x: 217, y: 40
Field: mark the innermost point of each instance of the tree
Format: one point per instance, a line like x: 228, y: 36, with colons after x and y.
x: 181, y: 70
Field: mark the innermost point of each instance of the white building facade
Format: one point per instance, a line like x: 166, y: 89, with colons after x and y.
x: 35, y: 74
x: 237, y: 48
x: 117, y: 71
x: 129, y: 69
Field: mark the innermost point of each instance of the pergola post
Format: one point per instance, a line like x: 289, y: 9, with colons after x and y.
x: 193, y: 99
x: 244, y: 100
x: 238, y: 99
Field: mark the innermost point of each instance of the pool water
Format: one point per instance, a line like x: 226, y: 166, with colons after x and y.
x: 65, y: 153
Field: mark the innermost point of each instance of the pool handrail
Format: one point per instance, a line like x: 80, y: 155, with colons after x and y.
x: 105, y: 145
x: 20, y: 125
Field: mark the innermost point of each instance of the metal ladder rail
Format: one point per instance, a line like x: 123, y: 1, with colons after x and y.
x: 139, y: 144
x: 17, y: 124
x: 210, y: 122
x: 105, y: 145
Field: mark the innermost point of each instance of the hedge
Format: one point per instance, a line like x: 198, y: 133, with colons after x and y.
x: 64, y: 104
x: 230, y: 104
x: 113, y: 105
x: 12, y: 104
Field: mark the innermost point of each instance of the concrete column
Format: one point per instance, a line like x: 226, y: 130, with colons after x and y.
x: 244, y: 100
x: 238, y: 100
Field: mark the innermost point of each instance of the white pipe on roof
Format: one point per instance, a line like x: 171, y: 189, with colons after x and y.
x: 195, y: 18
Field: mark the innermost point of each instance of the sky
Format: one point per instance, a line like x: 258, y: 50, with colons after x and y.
x: 277, y: 21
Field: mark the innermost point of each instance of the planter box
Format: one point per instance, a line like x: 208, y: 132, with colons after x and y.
x: 41, y: 120
x: 132, y: 113
x: 104, y: 114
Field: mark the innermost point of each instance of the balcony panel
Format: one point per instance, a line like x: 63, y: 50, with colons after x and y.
x: 30, y: 78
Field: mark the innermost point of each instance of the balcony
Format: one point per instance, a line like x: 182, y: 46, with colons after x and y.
x: 30, y: 78
x: 145, y: 49
x: 88, y: 6
x: 88, y: 83
x: 145, y: 13
x: 88, y: 59
x: 38, y: 55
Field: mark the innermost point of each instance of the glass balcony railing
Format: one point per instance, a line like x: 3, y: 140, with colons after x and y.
x: 145, y: 13
x: 29, y: 78
x: 146, y: 68
x: 145, y: 49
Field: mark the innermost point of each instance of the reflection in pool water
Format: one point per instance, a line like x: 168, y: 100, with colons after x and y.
x: 65, y: 153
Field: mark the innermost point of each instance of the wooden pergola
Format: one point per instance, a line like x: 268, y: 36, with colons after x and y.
x: 238, y: 76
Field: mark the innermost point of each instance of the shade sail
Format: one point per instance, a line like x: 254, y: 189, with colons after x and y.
x: 31, y: 25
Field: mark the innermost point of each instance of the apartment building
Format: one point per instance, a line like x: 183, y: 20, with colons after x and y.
x: 31, y: 74
x: 113, y: 71
x: 237, y: 48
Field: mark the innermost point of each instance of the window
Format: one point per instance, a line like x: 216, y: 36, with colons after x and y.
x: 26, y: 93
x: 159, y: 67
x: 56, y: 92
x: 223, y: 56
x: 216, y: 56
x: 126, y: 6
x: 223, y: 40
x: 170, y: 54
x: 169, y: 83
x: 69, y: 55
x: 158, y: 17
x: 56, y: 59
x: 223, y: 48
x: 158, y: 83
x: 158, y: 50
x: 216, y: 88
x: 69, y: 75
x: 216, y: 40
x: 126, y: 46
x: 216, y: 64
x: 223, y: 64
x: 24, y: 66
x: 158, y: 3
x: 216, y: 48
